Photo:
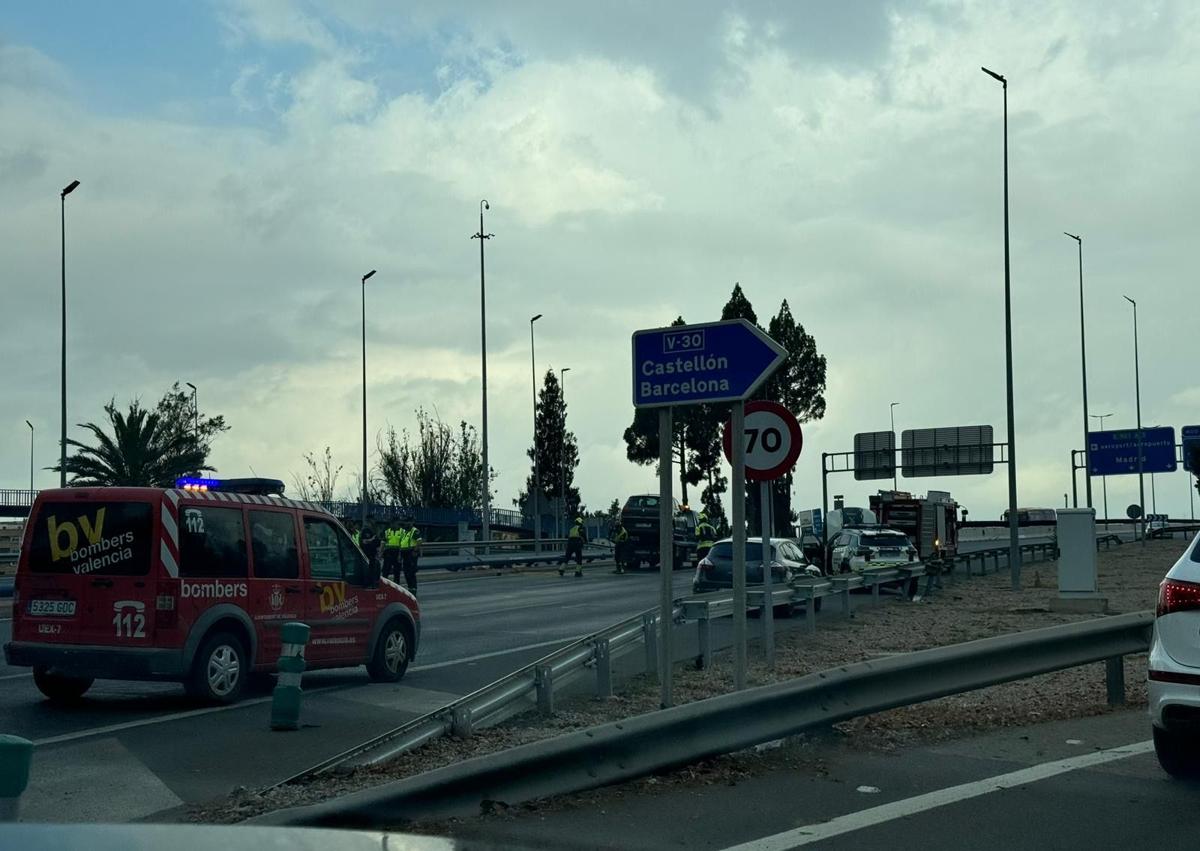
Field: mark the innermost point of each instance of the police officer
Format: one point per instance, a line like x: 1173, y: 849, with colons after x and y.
x: 620, y: 537
x: 392, y: 536
x: 706, y: 536
x: 410, y: 551
x: 575, y: 540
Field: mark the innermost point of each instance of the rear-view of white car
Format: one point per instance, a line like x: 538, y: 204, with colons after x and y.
x: 1175, y: 667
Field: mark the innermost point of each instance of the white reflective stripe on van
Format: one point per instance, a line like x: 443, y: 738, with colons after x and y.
x: 168, y: 560
x: 170, y: 526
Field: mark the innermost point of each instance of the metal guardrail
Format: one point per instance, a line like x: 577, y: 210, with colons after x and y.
x: 658, y: 741
x: 498, y: 700
x: 456, y: 555
x: 541, y: 678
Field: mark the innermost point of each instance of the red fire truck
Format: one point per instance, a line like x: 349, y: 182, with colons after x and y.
x: 930, y: 521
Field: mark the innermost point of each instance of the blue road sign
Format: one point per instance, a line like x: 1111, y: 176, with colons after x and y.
x: 711, y: 362
x: 1115, y: 453
x: 1190, y: 438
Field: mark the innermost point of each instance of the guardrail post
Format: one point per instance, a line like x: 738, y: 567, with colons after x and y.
x: 704, y: 633
x: 1114, y: 680
x: 462, y: 726
x: 810, y: 609
x: 650, y: 638
x: 875, y: 591
x: 996, y: 557
x: 544, y: 684
x: 285, y: 700
x: 603, y: 658
x: 16, y: 754
x: 846, y: 600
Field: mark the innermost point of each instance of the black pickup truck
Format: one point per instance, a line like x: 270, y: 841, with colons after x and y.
x: 640, y: 519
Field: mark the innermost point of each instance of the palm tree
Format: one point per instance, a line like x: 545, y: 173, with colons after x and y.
x: 143, y: 451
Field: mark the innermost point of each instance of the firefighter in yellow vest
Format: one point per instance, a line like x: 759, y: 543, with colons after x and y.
x: 620, y: 539
x: 393, y: 535
x: 706, y: 536
x: 575, y: 540
x: 410, y: 551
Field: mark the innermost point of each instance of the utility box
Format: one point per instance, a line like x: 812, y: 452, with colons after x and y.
x: 1077, y: 559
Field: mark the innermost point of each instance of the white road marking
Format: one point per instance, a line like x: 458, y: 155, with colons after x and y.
x: 146, y: 722
x: 16, y: 676
x: 940, y: 798
x: 450, y: 662
x: 191, y: 713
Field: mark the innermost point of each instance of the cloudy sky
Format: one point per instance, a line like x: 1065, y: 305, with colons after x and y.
x: 244, y: 163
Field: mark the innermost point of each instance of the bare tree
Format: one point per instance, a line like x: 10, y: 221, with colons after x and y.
x: 320, y: 482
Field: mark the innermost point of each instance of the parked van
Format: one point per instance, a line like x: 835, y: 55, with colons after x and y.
x: 192, y: 585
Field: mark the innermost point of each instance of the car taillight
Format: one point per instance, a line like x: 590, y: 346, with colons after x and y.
x: 1176, y: 596
x: 706, y: 565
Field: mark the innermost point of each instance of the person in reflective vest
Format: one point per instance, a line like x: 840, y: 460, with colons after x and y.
x: 575, y: 540
x: 706, y: 536
x: 620, y: 538
x: 410, y: 551
x: 392, y: 537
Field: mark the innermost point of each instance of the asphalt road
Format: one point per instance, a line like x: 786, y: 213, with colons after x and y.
x: 1084, y: 784
x: 131, y: 749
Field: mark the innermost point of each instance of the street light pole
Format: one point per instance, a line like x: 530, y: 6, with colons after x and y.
x: 485, y: 520
x: 536, y: 491
x: 1087, y: 452
x: 28, y: 423
x: 1014, y: 543
x: 1137, y: 389
x: 195, y: 410
x: 1103, y: 479
x: 363, y: 511
x: 562, y: 454
x: 892, y: 412
x: 62, y: 455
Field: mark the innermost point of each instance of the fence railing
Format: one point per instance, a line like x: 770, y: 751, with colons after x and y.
x: 536, y: 683
x: 658, y: 741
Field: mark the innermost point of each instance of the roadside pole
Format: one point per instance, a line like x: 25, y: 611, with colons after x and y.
x: 666, y: 555
x: 825, y: 514
x: 739, y: 547
x: 768, y: 609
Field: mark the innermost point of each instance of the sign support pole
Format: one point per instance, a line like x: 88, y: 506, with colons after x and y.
x: 768, y: 610
x: 666, y: 555
x: 738, y: 450
x: 828, y: 568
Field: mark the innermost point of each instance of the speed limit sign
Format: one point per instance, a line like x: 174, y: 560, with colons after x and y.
x: 772, y: 440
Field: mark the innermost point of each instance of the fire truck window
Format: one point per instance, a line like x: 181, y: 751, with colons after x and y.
x: 273, y: 542
x: 324, y: 556
x: 212, y: 542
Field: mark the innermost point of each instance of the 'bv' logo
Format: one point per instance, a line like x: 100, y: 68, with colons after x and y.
x: 90, y: 533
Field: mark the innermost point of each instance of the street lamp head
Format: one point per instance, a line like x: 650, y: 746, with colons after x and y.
x: 368, y: 275
x: 28, y: 423
x: 483, y: 205
x: 190, y: 384
x: 1073, y: 236
x: 1128, y: 299
x: 535, y: 319
x: 70, y: 188
x: 994, y: 75
x: 894, y: 404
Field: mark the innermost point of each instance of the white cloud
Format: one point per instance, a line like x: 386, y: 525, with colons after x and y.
x: 866, y: 192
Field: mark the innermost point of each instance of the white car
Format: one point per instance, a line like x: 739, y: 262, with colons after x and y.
x: 1175, y: 667
x: 854, y: 550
